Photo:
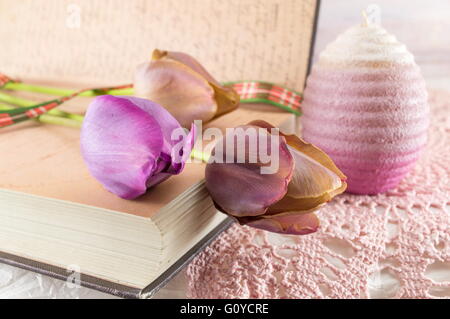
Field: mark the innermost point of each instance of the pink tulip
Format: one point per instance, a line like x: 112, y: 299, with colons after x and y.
x: 179, y: 83
x: 127, y: 144
x: 282, y: 202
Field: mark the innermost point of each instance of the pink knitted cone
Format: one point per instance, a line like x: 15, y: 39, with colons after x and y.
x: 365, y: 105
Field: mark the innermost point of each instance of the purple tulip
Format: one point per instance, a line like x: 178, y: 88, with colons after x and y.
x: 130, y: 144
x: 283, y: 201
x: 182, y: 85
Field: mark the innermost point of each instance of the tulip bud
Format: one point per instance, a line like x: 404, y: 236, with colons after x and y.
x: 130, y: 144
x: 282, y: 202
x: 179, y: 83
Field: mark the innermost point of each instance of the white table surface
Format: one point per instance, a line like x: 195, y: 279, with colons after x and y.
x: 423, y: 25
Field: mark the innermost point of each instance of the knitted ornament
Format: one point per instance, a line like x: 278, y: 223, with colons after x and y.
x: 365, y: 105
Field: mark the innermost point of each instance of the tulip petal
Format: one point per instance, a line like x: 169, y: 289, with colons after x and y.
x: 185, y: 59
x: 156, y: 179
x: 292, y: 224
x: 314, y: 153
x: 227, y: 99
x: 165, y: 120
x: 310, y: 177
x: 121, y: 144
x: 288, y: 203
x: 182, y: 91
x: 169, y: 126
x: 316, y: 179
x: 240, y: 189
x: 186, y: 88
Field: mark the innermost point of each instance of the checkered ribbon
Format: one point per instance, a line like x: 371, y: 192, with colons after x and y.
x: 249, y: 91
x: 268, y: 93
x: 4, y: 80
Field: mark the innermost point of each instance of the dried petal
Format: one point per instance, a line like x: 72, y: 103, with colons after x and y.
x: 227, y: 99
x: 314, y: 153
x: 315, y: 181
x: 310, y: 178
x: 292, y: 203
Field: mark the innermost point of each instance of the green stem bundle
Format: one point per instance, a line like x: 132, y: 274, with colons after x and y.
x: 17, y: 86
x: 17, y: 101
x: 49, y: 119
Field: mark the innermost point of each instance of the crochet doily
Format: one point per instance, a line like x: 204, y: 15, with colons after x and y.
x: 393, y: 245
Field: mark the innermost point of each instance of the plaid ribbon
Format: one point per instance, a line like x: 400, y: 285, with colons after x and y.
x: 264, y: 92
x: 4, y: 80
x: 249, y: 91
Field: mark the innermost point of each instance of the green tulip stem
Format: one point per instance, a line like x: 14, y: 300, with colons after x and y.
x: 14, y: 86
x: 196, y: 154
x: 62, y: 121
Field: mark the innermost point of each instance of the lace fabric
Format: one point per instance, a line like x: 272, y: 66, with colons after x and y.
x: 393, y: 245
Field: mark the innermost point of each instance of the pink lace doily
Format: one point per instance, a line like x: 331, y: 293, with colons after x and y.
x: 393, y: 245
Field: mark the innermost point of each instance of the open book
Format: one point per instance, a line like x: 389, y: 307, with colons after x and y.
x: 58, y: 220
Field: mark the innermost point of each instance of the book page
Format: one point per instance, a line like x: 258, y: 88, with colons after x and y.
x: 92, y: 42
